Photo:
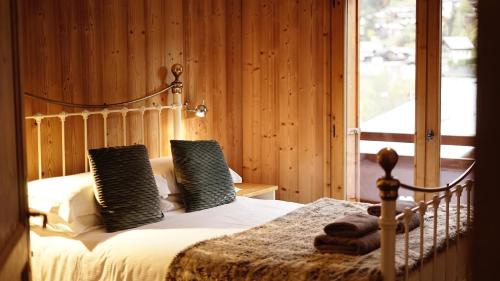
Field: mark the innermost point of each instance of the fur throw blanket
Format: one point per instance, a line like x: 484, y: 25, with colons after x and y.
x: 283, y: 249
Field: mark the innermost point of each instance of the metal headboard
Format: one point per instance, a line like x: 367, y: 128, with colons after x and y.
x: 107, y: 109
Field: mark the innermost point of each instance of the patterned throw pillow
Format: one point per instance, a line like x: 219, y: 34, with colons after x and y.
x: 126, y: 191
x: 202, y: 174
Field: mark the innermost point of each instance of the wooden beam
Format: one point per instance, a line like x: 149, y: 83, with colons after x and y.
x: 352, y: 102
x: 428, y: 94
x: 433, y: 109
x: 338, y: 120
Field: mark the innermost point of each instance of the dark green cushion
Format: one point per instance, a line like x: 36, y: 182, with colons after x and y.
x: 125, y: 187
x: 202, y: 174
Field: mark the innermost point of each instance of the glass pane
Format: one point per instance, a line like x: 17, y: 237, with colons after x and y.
x: 458, y: 86
x: 386, y: 87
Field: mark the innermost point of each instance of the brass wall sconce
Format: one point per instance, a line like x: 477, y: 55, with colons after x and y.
x: 200, y: 110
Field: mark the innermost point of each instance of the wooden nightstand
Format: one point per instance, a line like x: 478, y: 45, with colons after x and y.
x: 257, y: 190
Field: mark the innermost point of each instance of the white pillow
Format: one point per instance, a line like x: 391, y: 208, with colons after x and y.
x: 164, y: 167
x: 68, y: 201
x: 70, y: 205
x: 162, y: 185
x: 166, y: 204
x: 236, y: 178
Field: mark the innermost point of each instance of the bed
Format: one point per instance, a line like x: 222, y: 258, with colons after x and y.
x: 170, y: 249
x: 146, y: 252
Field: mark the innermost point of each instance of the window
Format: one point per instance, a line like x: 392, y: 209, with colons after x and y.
x: 458, y: 87
x: 392, y: 79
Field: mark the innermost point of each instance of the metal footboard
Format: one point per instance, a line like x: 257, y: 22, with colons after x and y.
x: 388, y: 186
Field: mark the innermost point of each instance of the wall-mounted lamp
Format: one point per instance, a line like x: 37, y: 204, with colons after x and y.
x: 200, y: 110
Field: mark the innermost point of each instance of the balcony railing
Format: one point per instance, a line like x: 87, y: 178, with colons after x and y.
x: 451, y: 164
x: 410, y: 138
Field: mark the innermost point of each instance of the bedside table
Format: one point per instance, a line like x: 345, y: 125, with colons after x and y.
x: 257, y: 190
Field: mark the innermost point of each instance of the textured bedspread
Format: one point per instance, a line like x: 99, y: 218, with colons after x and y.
x: 283, y: 249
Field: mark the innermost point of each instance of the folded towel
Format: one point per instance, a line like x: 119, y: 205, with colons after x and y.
x: 401, y: 205
x: 354, y: 225
x: 347, y: 245
x: 412, y: 224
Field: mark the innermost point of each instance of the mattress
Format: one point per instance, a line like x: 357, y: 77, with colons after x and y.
x: 143, y: 253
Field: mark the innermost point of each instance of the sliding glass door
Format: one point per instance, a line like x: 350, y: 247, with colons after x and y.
x: 416, y: 89
x: 458, y: 87
x: 387, y: 40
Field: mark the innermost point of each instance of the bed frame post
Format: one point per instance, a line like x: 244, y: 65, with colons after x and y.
x: 177, y: 99
x: 388, y: 186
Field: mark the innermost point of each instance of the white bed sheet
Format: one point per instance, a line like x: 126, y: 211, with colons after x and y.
x: 144, y: 253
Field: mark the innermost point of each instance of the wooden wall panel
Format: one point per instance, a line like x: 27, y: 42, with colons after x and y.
x: 114, y: 57
x: 212, y: 45
x: 338, y: 101
x: 200, y: 19
x: 251, y: 93
x: 44, y: 66
x: 174, y: 29
x: 109, y: 51
x: 27, y: 30
x: 262, y: 68
x: 286, y: 96
x: 260, y: 111
x: 92, y: 53
x: 72, y: 86
x: 234, y: 128
x: 289, y: 105
x: 137, y: 73
x: 155, y: 67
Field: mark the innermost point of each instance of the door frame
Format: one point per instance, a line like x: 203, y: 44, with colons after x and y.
x: 14, y: 258
x: 428, y: 95
x: 344, y: 137
x: 345, y: 93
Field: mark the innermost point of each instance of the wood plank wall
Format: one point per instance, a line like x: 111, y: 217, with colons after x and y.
x: 286, y: 94
x: 111, y: 51
x: 262, y: 67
